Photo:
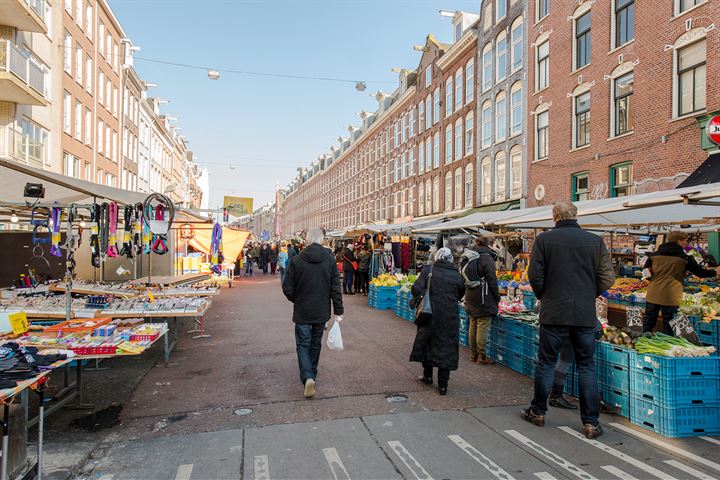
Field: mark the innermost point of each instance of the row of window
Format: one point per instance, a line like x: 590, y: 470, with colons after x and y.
x: 77, y: 14
x: 73, y: 125
x: 621, y: 183
x: 497, y: 59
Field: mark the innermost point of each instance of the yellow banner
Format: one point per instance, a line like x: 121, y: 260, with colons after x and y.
x: 238, y: 206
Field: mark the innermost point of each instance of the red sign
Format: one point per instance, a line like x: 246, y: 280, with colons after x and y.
x: 713, y: 129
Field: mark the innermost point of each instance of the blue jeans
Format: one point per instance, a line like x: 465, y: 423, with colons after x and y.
x: 248, y: 267
x: 308, y: 339
x: 348, y: 282
x: 552, y: 338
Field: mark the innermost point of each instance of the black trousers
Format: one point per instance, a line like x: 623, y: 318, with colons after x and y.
x: 443, y: 374
x: 652, y: 311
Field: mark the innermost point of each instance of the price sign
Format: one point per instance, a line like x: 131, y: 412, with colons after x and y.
x: 682, y: 327
x: 19, y: 322
x: 634, y: 318
x: 601, y: 308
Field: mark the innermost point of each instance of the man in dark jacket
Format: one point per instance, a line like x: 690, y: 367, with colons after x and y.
x: 665, y: 290
x: 312, y: 283
x: 348, y: 269
x: 568, y: 270
x: 481, y: 295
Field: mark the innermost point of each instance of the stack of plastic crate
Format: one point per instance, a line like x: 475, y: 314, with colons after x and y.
x: 708, y: 332
x: 402, y: 305
x: 464, y: 329
x: 614, y: 375
x: 382, y: 298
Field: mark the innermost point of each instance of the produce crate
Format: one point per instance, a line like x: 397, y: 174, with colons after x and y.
x: 678, y: 367
x: 529, y: 366
x: 502, y: 356
x: 614, y: 376
x: 675, y: 392
x: 515, y: 361
x: 491, y: 350
x: 612, y: 354
x: 382, y: 304
x: 617, y: 398
x: 688, y: 421
x: 708, y: 332
x: 529, y: 348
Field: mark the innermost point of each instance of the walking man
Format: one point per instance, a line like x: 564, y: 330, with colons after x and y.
x: 312, y: 283
x: 568, y: 270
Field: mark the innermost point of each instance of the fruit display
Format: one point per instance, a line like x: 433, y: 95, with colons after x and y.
x: 629, y: 290
x: 385, y: 280
x: 512, y: 276
x: 704, y: 304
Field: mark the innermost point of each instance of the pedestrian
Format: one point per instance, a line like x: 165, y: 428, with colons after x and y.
x: 667, y: 268
x: 363, y: 260
x: 569, y: 269
x: 349, y: 267
x: 312, y: 284
x: 481, y: 295
x: 436, y: 342
x: 264, y: 258
x: 249, y: 258
x: 273, y: 258
x: 292, y: 251
x: 282, y: 262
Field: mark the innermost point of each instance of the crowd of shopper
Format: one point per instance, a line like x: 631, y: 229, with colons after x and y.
x: 269, y: 257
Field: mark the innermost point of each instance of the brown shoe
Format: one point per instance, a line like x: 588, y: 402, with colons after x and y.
x: 484, y: 360
x: 474, y: 357
x: 592, y: 431
x: 529, y: 416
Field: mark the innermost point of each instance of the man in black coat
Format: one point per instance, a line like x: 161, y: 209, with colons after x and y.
x: 312, y: 283
x: 348, y: 268
x: 568, y: 270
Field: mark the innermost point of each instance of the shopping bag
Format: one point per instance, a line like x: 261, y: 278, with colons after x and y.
x: 334, y: 339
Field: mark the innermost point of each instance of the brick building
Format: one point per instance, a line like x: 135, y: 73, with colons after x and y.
x: 620, y: 95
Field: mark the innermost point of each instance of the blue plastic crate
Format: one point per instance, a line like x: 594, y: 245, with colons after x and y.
x: 491, y: 350
x: 498, y: 322
x: 708, y: 332
x: 614, y: 354
x: 688, y: 421
x: 515, y: 362
x: 529, y: 348
x: 681, y: 367
x: 529, y: 366
x: 614, y: 376
x: 571, y: 385
x: 674, y: 391
x: 617, y: 398
x: 502, y: 356
x: 531, y: 331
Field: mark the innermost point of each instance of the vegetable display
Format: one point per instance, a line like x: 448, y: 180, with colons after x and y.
x: 665, y: 345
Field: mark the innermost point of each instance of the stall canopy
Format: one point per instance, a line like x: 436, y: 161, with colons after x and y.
x: 233, y: 241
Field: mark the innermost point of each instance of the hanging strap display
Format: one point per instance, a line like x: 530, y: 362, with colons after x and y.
x: 94, y: 235
x: 55, y: 236
x: 127, y: 247
x: 146, y: 237
x: 103, y: 226
x: 159, y: 245
x: 112, y: 249
x: 216, y: 249
x: 138, y: 230
x: 72, y: 240
x: 40, y: 219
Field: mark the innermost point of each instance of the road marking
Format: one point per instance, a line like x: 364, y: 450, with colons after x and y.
x: 184, y: 472
x: 578, y: 472
x: 478, y: 456
x: 711, y: 440
x: 689, y: 470
x: 618, y: 473
x: 108, y: 476
x: 417, y: 470
x: 669, y: 447
x: 336, y: 465
x: 262, y: 467
x: 545, y: 476
x: 616, y: 453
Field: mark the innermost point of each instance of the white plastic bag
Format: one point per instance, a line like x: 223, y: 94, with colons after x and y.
x: 334, y: 339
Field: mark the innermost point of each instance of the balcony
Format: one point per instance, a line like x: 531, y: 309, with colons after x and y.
x: 21, y: 79
x: 22, y: 147
x: 27, y: 15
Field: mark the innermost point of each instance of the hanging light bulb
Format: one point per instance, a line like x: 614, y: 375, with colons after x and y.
x: 82, y: 222
x: 14, y: 218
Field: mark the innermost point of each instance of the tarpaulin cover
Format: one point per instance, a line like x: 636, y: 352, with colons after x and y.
x: 233, y: 241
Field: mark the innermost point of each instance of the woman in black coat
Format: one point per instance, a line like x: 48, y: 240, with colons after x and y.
x: 273, y: 258
x: 436, y: 342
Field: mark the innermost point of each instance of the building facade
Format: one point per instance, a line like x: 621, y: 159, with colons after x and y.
x: 621, y: 93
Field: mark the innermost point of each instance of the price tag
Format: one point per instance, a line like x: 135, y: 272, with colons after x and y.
x: 19, y: 322
x: 601, y: 308
x: 634, y: 318
x: 682, y: 327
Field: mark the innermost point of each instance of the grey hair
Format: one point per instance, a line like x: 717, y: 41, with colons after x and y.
x: 315, y: 235
x: 484, y: 241
x: 564, y: 211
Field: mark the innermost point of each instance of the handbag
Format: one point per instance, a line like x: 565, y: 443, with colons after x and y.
x: 423, y: 312
x: 352, y: 262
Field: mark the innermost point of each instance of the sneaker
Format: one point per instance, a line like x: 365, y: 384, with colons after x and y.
x: 529, y: 416
x: 484, y: 360
x: 309, y: 388
x: 561, y: 402
x: 592, y: 431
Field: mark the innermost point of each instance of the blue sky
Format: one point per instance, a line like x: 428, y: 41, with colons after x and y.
x: 267, y: 127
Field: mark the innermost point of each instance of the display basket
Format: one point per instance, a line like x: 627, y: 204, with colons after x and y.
x: 689, y: 421
x: 612, y: 354
x: 82, y: 325
x: 617, y: 398
x: 679, y: 367
x: 674, y: 392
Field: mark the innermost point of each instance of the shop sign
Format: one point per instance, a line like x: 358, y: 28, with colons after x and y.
x: 187, y: 231
x: 713, y: 129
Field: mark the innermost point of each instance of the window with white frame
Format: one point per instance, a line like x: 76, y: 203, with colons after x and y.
x: 88, y: 127
x: 501, y: 56
x: 88, y: 73
x: 78, y: 13
x: 435, y: 151
x: 428, y: 110
x: 500, y: 117
x: 428, y: 197
x: 421, y: 158
x: 499, y: 176
x: 411, y: 123
x: 582, y: 119
x: 449, y: 97
x: 691, y: 82
x: 71, y: 165
x: 486, y: 124
x: 458, y: 89
x: 458, y: 188
x: 469, y: 132
x: 486, y: 180
x: 515, y: 172
x: 78, y: 120
x: 543, y: 65
x: 34, y: 146
x: 108, y: 139
x: 542, y: 9
x: 500, y: 9
x: 623, y: 105
x: 469, y: 80
x: 100, y: 135
x: 516, y: 115
x: 487, y: 65
x: 448, y: 191
x: 89, y: 21
x: 469, y: 185
x: 458, y: 139
x: 428, y: 154
x: 78, y: 64
x: 67, y: 53
x: 624, y: 22
x: 436, y: 106
x: 421, y: 116
x: 541, y: 136
x: 101, y: 88
x: 396, y: 129
x: 448, y: 143
x: 436, y: 194
x: 516, y: 39
x: 67, y: 113
x: 411, y: 162
x: 428, y: 76
x: 101, y: 38
x: 582, y: 40
x: 685, y: 5
x: 403, y: 129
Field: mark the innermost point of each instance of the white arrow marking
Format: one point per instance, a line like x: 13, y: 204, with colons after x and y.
x: 336, y: 465
x: 618, y: 473
x: 410, y: 462
x: 184, y: 472
x: 262, y: 467
x: 478, y: 456
x: 578, y: 472
x: 689, y: 470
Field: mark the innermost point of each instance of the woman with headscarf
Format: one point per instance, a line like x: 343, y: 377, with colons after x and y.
x: 436, y: 342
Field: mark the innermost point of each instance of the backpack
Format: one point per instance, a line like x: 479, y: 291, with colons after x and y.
x: 467, y: 258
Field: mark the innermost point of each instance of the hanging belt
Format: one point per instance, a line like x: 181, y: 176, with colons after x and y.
x: 103, y: 227
x: 72, y: 241
x: 55, y: 236
x: 216, y: 249
x: 146, y: 233
x: 38, y: 223
x: 127, y: 247
x: 137, y: 230
x: 94, y: 235
x: 112, y: 249
x: 160, y: 243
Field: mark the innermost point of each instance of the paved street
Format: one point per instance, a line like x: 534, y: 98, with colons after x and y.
x: 181, y: 421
